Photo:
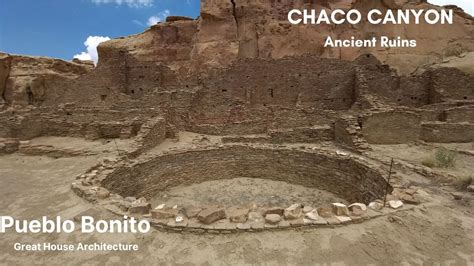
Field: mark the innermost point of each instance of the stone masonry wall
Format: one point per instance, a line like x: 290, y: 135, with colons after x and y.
x: 341, y: 175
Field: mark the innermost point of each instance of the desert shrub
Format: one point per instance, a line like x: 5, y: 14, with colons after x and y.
x: 445, y: 158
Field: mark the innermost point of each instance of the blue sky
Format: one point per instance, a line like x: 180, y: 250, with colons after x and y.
x: 60, y: 28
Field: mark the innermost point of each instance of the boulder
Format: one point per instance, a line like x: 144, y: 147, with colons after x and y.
x: 293, y: 212
x: 211, y: 215
x: 272, y: 218
x: 340, y: 209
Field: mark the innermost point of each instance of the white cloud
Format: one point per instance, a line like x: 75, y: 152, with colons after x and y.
x: 91, y: 45
x: 467, y: 5
x: 130, y: 3
x: 158, y: 18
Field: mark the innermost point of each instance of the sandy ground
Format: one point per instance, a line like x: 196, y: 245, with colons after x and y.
x: 416, y: 154
x: 242, y: 191
x: 439, y: 233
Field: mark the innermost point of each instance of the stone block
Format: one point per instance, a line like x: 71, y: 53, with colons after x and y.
x: 340, y: 209
x: 325, y: 212
x: 211, y: 215
x: 312, y: 215
x: 358, y: 209
x: 272, y: 218
x: 395, y: 204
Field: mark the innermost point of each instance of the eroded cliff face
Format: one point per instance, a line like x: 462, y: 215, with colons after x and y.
x: 5, y: 63
x: 28, y: 80
x: 228, y: 30
x: 174, y: 63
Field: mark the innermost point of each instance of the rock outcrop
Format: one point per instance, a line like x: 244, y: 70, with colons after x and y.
x: 28, y: 80
x: 230, y: 30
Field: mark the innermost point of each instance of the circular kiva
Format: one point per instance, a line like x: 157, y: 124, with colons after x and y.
x: 344, y: 175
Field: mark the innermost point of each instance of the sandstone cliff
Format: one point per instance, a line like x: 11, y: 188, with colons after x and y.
x: 174, y: 63
x: 228, y: 30
x: 28, y: 80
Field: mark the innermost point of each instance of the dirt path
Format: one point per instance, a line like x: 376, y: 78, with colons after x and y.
x: 34, y: 186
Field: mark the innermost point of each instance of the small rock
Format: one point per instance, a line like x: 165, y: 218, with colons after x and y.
x: 272, y: 218
x: 457, y: 195
x: 395, y: 204
x: 340, y: 209
x: 470, y: 188
x: 140, y: 208
x: 376, y: 206
x: 179, y: 219
x: 312, y: 215
x: 238, y: 215
x: 293, y: 212
x: 307, y: 209
x: 409, y: 199
x: 210, y: 215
